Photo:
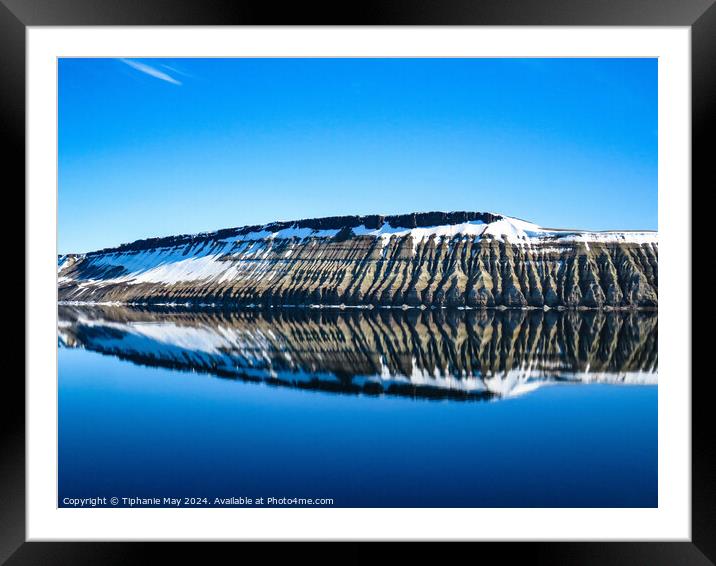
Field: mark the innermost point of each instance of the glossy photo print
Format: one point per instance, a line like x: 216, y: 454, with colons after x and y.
x: 329, y: 282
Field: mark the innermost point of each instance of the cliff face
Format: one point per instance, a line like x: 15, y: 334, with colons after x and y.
x: 461, y: 259
x: 445, y: 353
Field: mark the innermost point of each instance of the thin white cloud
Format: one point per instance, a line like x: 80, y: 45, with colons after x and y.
x: 177, y: 71
x: 151, y: 71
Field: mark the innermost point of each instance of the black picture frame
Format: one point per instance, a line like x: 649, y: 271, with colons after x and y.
x: 17, y: 15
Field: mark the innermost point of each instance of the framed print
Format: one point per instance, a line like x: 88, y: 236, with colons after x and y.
x: 295, y: 278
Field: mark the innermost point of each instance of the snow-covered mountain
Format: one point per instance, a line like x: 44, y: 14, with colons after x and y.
x: 456, y: 259
x: 484, y: 354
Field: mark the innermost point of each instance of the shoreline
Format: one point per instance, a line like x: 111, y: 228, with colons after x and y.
x: 257, y: 306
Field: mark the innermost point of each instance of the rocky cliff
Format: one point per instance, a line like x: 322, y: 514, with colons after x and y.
x: 437, y: 259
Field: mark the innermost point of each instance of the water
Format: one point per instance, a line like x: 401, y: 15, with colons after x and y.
x: 362, y: 408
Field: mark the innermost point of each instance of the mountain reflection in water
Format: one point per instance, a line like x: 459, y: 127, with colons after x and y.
x: 433, y: 353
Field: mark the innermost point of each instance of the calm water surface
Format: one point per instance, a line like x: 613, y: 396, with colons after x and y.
x: 367, y: 408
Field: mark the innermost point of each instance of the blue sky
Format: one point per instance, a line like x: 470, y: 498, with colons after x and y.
x: 152, y: 147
